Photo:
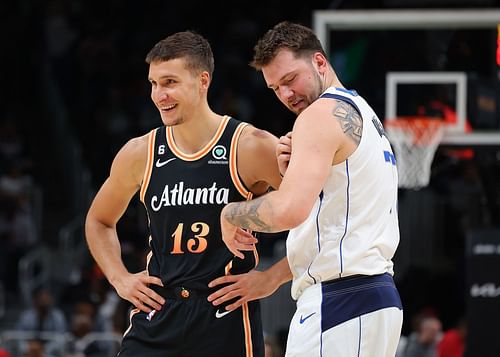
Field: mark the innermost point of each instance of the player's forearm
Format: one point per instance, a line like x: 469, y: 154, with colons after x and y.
x: 256, y: 215
x: 279, y: 273
x: 269, y: 214
x: 106, y: 250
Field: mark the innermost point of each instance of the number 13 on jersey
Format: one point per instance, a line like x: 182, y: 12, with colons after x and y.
x: 196, y: 241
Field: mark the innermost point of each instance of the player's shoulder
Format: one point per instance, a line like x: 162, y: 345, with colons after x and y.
x: 252, y: 133
x: 253, y: 138
x: 256, y: 164
x: 321, y: 121
x: 318, y: 111
x: 131, y: 159
x: 134, y: 151
x: 137, y: 145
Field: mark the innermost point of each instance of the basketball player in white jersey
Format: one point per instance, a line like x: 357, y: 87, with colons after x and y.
x: 338, y: 198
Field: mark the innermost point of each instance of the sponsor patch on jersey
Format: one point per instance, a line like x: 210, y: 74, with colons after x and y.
x: 219, y: 153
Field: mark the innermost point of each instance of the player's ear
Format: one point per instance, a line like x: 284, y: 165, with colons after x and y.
x: 205, y: 80
x: 320, y: 62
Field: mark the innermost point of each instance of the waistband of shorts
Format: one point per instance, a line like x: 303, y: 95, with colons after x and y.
x: 353, y: 281
x: 344, y: 278
x: 346, y: 299
x: 350, y: 281
x: 180, y: 292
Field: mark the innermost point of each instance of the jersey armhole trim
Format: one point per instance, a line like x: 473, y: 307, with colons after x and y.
x: 255, y: 251
x: 149, y: 164
x: 233, y: 167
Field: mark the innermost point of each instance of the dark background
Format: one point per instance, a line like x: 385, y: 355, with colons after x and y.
x: 74, y: 89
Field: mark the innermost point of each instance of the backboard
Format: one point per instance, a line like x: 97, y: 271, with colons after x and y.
x: 392, y: 28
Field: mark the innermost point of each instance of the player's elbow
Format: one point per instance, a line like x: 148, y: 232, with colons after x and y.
x: 90, y: 225
x: 94, y: 226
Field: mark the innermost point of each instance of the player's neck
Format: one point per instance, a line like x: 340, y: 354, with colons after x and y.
x: 193, y: 135
x: 331, y: 80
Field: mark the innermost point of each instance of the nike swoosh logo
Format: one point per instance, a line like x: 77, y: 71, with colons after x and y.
x: 303, y: 319
x: 221, y: 314
x: 150, y: 315
x: 160, y: 163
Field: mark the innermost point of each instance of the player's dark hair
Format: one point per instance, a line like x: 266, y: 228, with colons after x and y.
x: 299, y: 39
x: 190, y: 46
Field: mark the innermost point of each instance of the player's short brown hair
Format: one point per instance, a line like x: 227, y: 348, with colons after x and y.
x: 188, y: 45
x: 299, y: 39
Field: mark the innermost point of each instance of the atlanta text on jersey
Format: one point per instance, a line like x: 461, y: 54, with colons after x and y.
x: 179, y: 195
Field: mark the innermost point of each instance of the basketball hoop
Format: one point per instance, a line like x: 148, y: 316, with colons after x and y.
x: 414, y: 140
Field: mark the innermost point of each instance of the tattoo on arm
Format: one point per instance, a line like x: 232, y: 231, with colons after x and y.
x: 349, y: 119
x: 246, y: 215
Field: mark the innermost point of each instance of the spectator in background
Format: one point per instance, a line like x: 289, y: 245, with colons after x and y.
x: 271, y: 346
x: 34, y: 348
x: 42, y: 317
x: 18, y: 232
x: 15, y: 192
x: 106, y: 301
x: 16, y: 238
x: 88, y: 317
x: 15, y: 182
x: 4, y: 353
x: 82, y: 325
x: 423, y: 341
x: 453, y: 342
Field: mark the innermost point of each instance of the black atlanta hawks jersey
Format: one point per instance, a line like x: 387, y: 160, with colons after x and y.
x: 184, y: 195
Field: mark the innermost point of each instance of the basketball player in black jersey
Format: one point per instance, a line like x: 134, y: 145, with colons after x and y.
x: 186, y: 171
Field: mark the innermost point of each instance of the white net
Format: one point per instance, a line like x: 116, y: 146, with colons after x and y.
x: 414, y: 140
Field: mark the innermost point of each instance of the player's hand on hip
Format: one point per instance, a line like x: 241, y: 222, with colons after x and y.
x: 283, y: 152
x: 135, y: 288
x: 249, y: 286
x: 235, y: 238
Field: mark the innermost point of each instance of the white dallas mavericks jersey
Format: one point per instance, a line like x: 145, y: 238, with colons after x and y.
x: 353, y: 227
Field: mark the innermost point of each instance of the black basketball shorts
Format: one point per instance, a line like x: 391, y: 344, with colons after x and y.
x: 190, y: 326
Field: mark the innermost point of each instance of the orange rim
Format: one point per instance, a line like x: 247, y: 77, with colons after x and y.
x: 423, y: 129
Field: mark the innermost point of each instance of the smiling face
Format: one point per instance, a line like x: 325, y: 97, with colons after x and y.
x: 180, y: 70
x: 296, y: 81
x: 177, y: 91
